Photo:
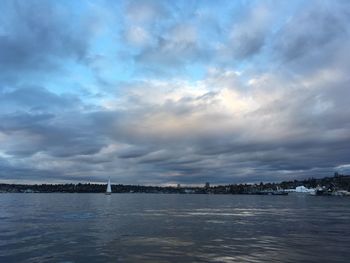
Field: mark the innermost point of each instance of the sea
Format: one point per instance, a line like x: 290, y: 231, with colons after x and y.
x: 61, y: 227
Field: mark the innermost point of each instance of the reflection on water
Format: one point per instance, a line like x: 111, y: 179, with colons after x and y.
x: 173, y: 228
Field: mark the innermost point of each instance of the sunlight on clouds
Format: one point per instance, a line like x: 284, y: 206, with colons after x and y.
x: 236, y: 103
x: 181, y: 107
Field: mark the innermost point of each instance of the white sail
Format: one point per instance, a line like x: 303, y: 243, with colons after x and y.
x: 109, y: 188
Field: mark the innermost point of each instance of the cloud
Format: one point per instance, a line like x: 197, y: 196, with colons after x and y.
x: 287, y: 132
x: 27, y: 134
x: 34, y: 119
x: 313, y: 35
x: 149, y: 11
x: 248, y: 36
x: 229, y: 132
x: 257, y: 96
x: 36, y: 99
x: 177, y: 47
x: 36, y: 35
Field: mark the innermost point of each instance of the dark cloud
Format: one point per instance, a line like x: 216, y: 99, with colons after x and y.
x: 36, y: 120
x: 36, y: 99
x: 36, y: 35
x: 312, y: 36
x: 30, y: 134
x: 249, y: 34
x: 133, y: 152
x: 11, y: 174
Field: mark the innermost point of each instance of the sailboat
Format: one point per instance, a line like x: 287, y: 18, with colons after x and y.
x: 109, y: 188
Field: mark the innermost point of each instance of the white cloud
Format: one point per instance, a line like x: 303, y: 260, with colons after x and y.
x: 137, y: 35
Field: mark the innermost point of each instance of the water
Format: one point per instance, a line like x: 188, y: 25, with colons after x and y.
x: 173, y: 228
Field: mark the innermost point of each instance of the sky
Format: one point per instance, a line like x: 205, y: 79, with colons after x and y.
x: 167, y: 92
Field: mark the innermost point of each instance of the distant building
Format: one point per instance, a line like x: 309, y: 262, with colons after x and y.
x: 178, y: 185
x: 207, y: 185
x: 301, y: 189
